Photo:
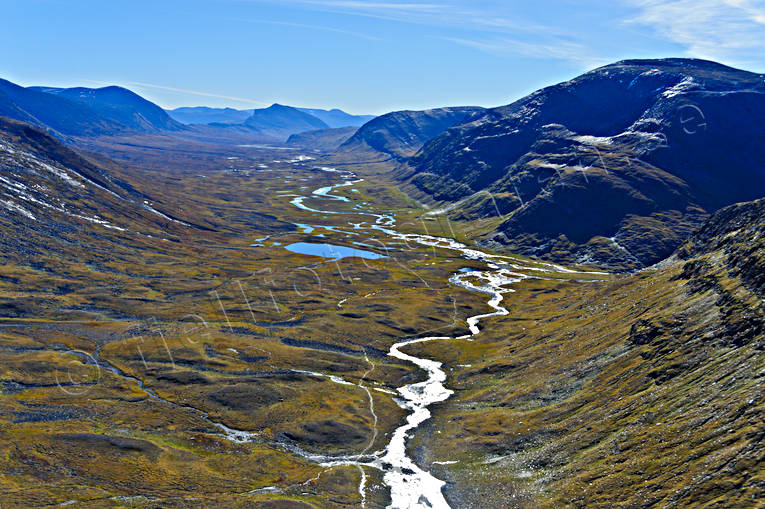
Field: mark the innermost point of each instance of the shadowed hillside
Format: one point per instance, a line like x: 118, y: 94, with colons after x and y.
x: 281, y: 121
x: 206, y: 115
x: 401, y: 133
x: 325, y: 140
x: 120, y: 104
x: 615, y: 167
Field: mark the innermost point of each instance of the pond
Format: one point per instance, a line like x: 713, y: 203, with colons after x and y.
x: 331, y: 251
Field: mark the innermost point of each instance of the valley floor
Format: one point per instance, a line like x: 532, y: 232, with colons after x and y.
x: 205, y: 365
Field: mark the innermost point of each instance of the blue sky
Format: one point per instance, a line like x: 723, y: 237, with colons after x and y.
x: 362, y: 56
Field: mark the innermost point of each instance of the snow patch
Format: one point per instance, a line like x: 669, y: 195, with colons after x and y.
x: 62, y: 174
x: 682, y: 87
x: 13, y: 207
x: 593, y: 140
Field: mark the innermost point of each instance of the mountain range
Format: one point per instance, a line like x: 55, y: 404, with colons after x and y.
x: 613, y: 168
x: 333, y: 118
x: 206, y: 115
x: 116, y: 111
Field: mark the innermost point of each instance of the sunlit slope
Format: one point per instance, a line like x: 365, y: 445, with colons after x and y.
x: 645, y: 390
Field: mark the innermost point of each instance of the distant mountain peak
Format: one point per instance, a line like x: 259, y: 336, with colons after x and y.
x: 282, y: 121
x: 336, y: 117
x: 207, y: 115
x: 401, y: 133
x: 127, y: 110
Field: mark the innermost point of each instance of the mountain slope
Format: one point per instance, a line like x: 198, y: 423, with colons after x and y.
x: 615, y: 167
x: 120, y: 105
x: 282, y: 121
x: 50, y: 194
x: 336, y: 118
x: 401, y: 133
x: 49, y: 111
x: 114, y: 111
x: 64, y: 219
x: 206, y: 115
x: 642, y: 390
x: 80, y: 115
x: 325, y: 140
x: 229, y: 134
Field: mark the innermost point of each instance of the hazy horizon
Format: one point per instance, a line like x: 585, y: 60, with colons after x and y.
x: 364, y: 57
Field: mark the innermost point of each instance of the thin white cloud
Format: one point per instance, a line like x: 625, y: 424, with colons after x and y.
x: 379, y: 6
x: 492, y: 15
x: 182, y: 91
x: 559, y: 50
x: 728, y: 30
x: 494, y: 25
x: 316, y: 27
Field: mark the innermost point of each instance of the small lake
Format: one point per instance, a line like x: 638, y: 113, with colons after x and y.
x: 331, y: 251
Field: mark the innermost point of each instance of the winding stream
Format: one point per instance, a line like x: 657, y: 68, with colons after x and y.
x: 412, y: 487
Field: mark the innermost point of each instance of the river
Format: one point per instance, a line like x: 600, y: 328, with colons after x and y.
x: 412, y: 487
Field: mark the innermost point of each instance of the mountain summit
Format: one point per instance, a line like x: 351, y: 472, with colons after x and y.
x: 120, y: 104
x: 282, y: 121
x: 401, y: 133
x: 615, y: 167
